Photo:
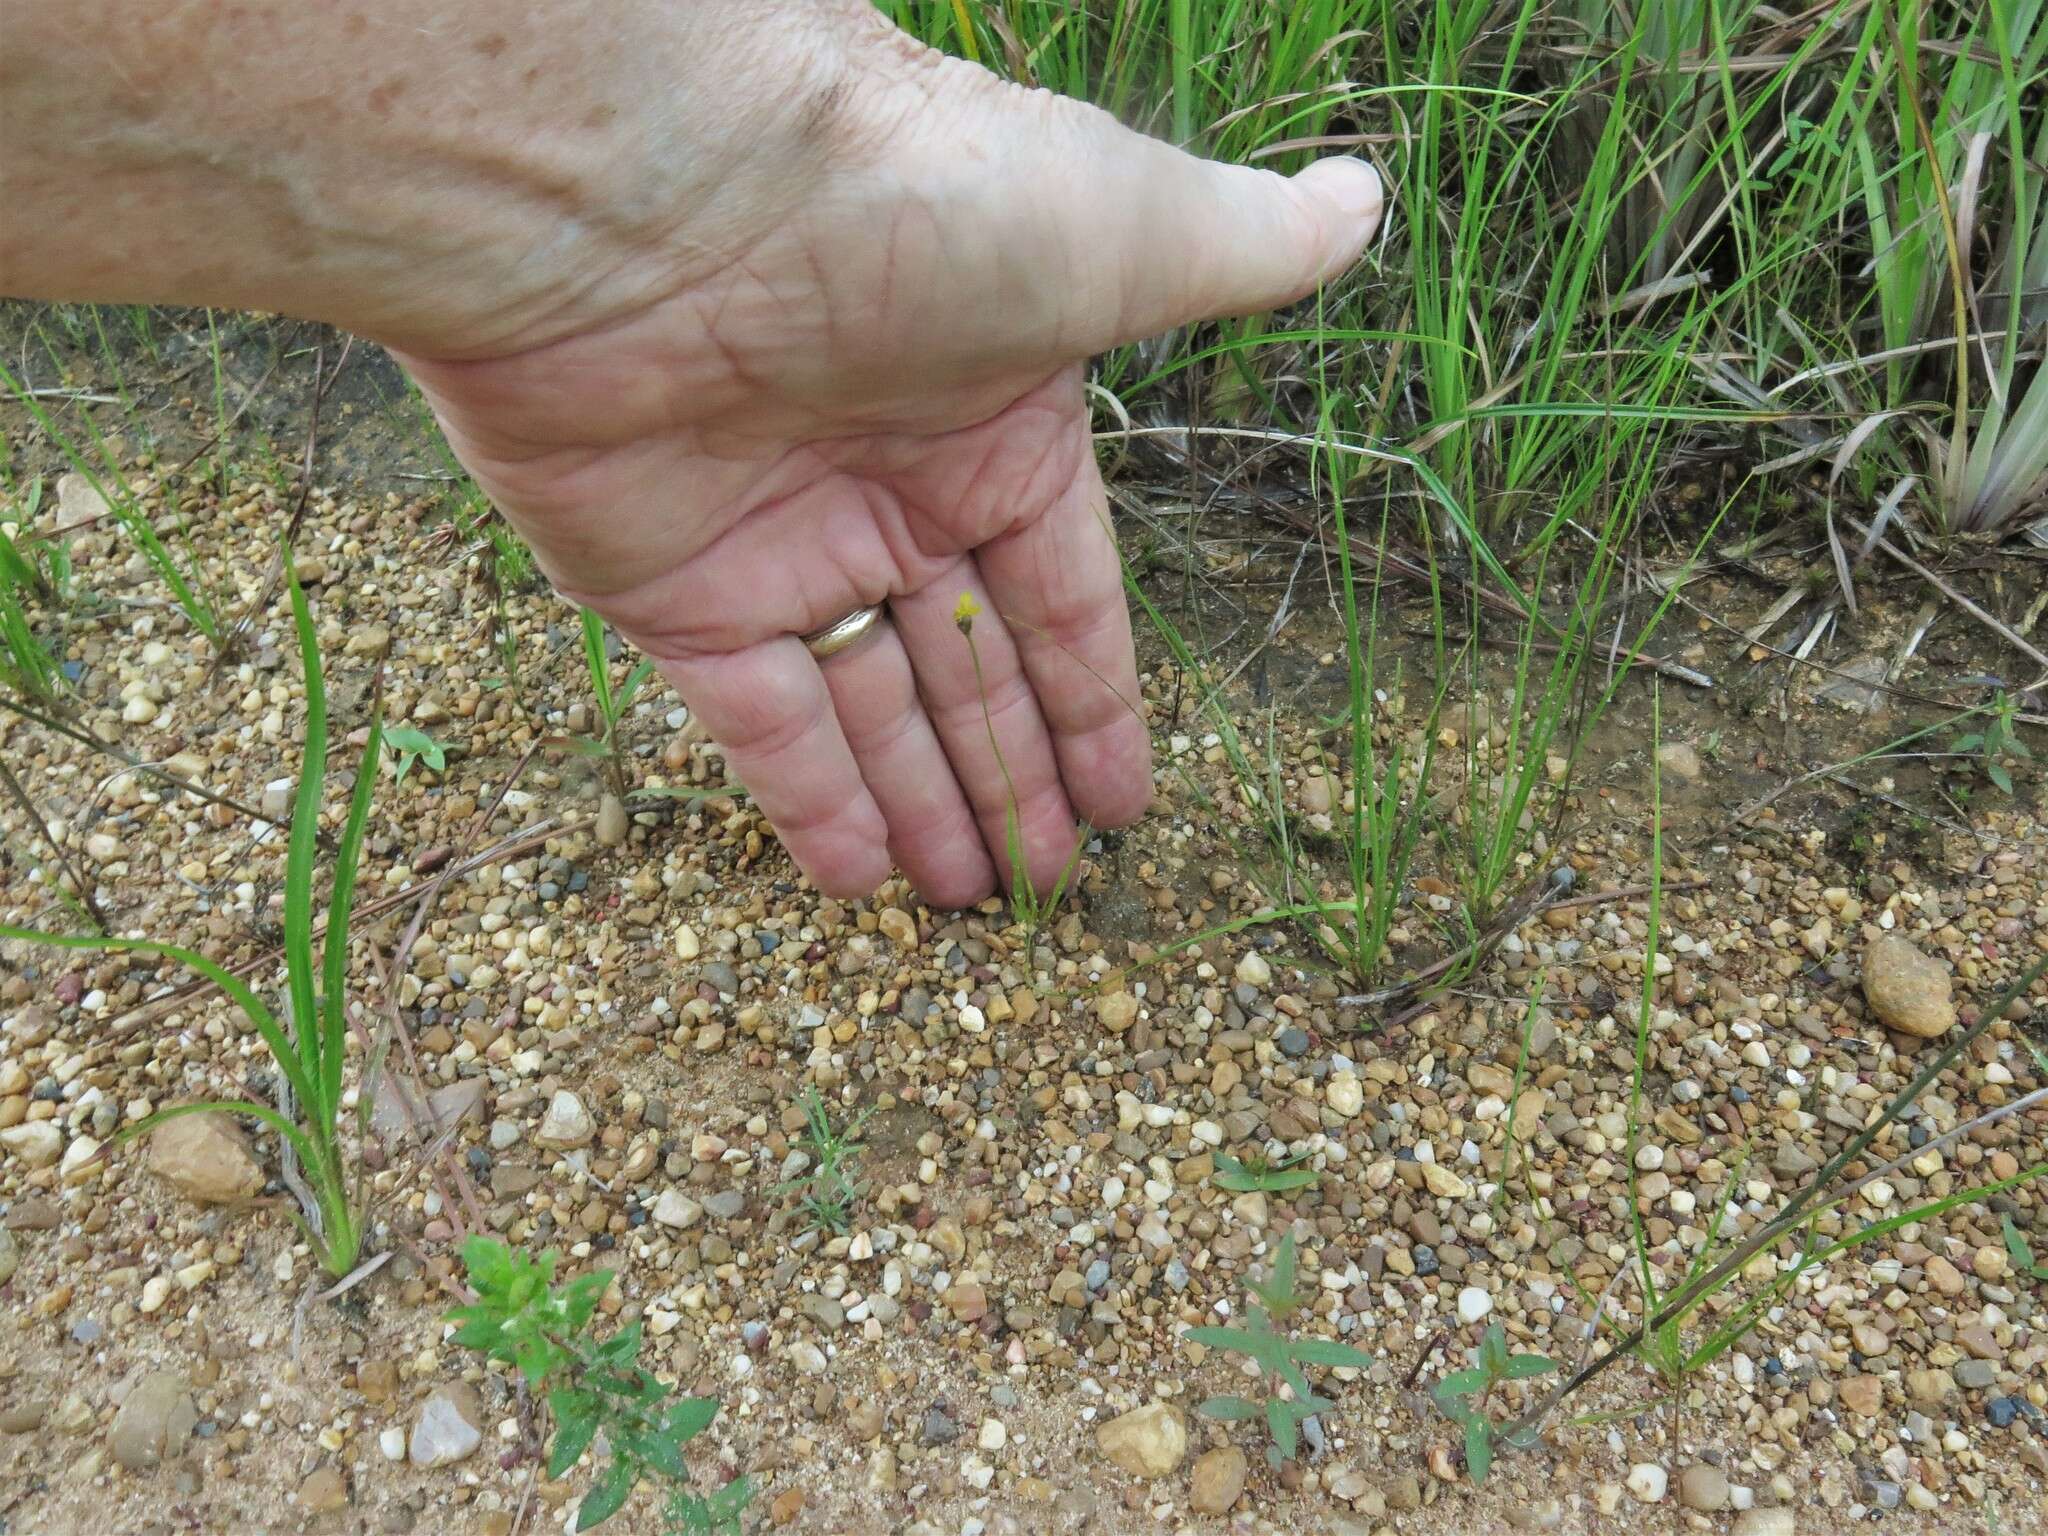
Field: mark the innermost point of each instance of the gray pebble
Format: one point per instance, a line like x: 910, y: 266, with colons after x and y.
x: 1976, y: 1375
x: 726, y: 1204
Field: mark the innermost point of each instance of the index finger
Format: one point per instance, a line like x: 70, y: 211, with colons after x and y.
x: 767, y: 705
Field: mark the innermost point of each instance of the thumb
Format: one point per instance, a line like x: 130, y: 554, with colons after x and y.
x: 1150, y: 237
x: 1212, y: 239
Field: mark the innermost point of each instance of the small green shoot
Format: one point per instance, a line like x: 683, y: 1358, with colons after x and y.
x: 611, y: 704
x: 831, y: 1186
x: 1287, y: 1398
x: 1257, y: 1174
x: 1461, y: 1397
x: 408, y: 744
x: 1998, y: 744
x: 521, y: 1318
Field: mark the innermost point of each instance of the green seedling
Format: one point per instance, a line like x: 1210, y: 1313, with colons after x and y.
x: 831, y: 1186
x: 1998, y: 744
x: 611, y: 704
x: 408, y: 744
x: 2021, y: 1253
x: 521, y: 1318
x: 1257, y: 1174
x: 310, y: 1045
x: 1461, y: 1397
x: 1287, y: 1398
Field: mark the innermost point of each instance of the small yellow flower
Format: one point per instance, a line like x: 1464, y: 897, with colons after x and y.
x: 964, y: 612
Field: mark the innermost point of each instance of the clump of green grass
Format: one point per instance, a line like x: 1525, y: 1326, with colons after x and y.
x: 831, y: 1186
x: 1287, y: 1397
x: 1382, y: 813
x: 309, y: 1046
x: 593, y: 1387
x: 1963, y: 270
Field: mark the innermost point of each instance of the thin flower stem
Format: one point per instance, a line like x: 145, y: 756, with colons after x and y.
x: 987, y: 720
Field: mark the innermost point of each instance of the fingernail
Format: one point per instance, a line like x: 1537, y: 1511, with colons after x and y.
x: 1350, y: 183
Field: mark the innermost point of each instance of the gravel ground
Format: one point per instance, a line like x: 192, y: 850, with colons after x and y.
x: 617, y: 1016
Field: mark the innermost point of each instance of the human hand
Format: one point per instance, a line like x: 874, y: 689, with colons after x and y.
x: 746, y: 318
x: 880, y: 401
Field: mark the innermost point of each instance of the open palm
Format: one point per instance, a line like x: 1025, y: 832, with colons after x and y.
x: 878, y: 399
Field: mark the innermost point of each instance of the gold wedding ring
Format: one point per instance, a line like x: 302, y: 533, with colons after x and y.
x: 841, y: 633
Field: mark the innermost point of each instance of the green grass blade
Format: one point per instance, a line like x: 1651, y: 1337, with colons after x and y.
x: 304, y: 850
x: 599, y: 667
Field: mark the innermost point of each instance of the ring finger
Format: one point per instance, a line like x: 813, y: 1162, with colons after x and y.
x: 933, y: 837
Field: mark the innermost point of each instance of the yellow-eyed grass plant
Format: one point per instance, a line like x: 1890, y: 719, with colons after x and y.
x: 309, y: 1045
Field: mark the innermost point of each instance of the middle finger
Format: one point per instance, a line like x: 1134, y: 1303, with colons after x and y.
x: 988, y: 718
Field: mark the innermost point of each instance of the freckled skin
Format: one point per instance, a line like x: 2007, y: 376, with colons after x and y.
x: 746, y: 316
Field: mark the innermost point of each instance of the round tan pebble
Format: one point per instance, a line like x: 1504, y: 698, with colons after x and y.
x: 1217, y: 1481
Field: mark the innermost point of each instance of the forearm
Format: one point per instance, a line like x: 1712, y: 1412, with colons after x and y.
x: 373, y: 162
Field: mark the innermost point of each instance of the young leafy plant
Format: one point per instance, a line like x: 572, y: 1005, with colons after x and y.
x: 408, y: 744
x: 310, y: 1044
x: 1257, y: 1175
x: 830, y: 1187
x: 1287, y: 1398
x: 521, y: 1318
x: 1997, y: 742
x: 1461, y: 1396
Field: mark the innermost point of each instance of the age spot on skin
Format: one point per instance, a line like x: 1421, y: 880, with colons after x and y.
x: 490, y: 47
x: 381, y: 98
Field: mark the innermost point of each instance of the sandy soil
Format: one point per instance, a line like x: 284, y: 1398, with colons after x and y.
x: 1041, y: 1221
